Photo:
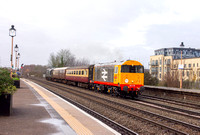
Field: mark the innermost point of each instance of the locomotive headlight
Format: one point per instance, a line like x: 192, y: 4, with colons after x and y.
x: 126, y: 80
x: 132, y: 81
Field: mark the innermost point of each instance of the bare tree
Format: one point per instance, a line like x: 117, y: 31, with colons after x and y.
x: 52, y: 60
x: 65, y: 58
x: 172, y: 79
x: 82, y: 62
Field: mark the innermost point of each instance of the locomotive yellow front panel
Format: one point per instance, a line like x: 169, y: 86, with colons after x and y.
x: 132, y: 78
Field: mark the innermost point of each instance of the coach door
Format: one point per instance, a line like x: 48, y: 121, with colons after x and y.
x: 116, y: 74
x: 91, y: 68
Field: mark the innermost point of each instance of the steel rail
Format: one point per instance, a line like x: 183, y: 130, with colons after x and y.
x: 186, y: 104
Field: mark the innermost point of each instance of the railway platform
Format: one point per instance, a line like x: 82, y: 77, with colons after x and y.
x: 37, y: 111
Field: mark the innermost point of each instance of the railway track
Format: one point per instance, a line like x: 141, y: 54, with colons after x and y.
x: 168, y: 108
x: 175, y: 102
x: 165, y: 124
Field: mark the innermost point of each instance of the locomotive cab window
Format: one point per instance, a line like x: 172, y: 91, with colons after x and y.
x: 132, y: 69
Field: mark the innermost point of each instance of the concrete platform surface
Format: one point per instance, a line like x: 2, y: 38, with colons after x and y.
x: 36, y: 111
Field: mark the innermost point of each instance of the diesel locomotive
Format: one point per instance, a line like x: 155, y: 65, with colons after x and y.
x: 118, y: 78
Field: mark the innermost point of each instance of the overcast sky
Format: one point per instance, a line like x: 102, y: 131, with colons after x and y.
x: 99, y: 30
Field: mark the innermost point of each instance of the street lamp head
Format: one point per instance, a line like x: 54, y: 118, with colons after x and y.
x: 181, y: 45
x: 16, y: 48
x: 12, y: 31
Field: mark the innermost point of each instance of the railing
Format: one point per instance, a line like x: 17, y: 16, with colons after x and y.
x: 154, y: 64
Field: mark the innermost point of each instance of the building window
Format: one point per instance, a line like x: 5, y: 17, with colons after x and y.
x: 156, y: 62
x: 168, y: 61
x: 185, y: 65
x: 194, y: 65
x: 168, y: 69
x: 160, y: 76
x: 197, y: 64
x: 183, y: 73
x: 188, y: 73
x: 189, y: 65
x: 160, y: 61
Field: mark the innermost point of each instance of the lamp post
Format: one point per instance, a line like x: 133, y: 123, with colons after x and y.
x: 18, y: 60
x: 181, y: 79
x: 12, y: 33
x: 16, y: 50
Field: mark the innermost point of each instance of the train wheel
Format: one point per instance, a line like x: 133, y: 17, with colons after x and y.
x: 134, y: 95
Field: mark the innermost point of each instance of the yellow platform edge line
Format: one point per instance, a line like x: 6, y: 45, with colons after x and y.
x: 79, y: 128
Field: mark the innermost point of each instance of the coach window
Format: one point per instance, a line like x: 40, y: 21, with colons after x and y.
x: 74, y: 72
x: 79, y: 72
x: 116, y: 70
x: 82, y: 72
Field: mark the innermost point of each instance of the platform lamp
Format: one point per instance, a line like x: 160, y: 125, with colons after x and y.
x: 12, y: 33
x: 18, y: 56
x: 16, y: 50
x: 181, y: 72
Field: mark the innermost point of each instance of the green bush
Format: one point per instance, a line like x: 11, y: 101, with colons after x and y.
x: 149, y: 80
x: 6, y: 83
